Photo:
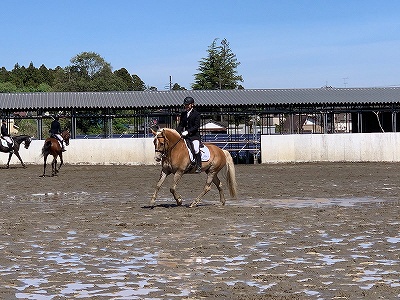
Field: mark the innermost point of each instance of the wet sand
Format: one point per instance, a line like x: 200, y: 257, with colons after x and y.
x: 295, y: 231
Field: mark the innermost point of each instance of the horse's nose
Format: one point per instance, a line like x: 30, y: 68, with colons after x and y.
x: 157, y: 157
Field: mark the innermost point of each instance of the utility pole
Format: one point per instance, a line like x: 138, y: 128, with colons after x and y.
x: 345, y: 81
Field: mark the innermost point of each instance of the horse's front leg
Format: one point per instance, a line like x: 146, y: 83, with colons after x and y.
x: 8, y: 162
x: 19, y: 157
x: 61, y: 163
x: 207, y: 187
x: 177, y: 197
x: 163, y: 175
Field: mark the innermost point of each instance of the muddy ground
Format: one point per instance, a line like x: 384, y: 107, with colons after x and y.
x: 295, y: 231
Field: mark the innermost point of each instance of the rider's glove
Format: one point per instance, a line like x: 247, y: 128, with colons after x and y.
x: 185, y: 133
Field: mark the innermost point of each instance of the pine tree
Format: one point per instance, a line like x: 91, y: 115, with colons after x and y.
x: 218, y: 69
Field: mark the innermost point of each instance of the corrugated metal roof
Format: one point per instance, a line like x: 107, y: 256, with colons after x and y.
x: 139, y: 99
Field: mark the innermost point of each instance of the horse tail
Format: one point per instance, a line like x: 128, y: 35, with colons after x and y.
x: 46, y: 148
x: 230, y: 174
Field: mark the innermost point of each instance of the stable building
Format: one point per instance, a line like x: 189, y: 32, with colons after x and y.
x: 243, y: 115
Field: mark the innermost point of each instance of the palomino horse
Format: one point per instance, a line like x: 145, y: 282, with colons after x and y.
x: 171, y: 150
x: 26, y: 139
x: 52, y: 147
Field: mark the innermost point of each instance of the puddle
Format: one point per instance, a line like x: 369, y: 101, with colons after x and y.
x: 304, y: 202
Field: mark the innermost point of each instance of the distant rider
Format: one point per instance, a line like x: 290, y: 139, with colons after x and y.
x: 55, y: 131
x: 6, y: 136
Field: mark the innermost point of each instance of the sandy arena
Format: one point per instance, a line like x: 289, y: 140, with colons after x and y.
x: 295, y: 231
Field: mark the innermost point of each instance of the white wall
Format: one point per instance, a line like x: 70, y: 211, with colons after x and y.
x: 138, y: 151
x: 274, y: 149
x: 330, y: 147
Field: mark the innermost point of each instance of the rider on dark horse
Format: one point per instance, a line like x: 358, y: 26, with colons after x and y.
x: 6, y: 136
x: 55, y: 131
x: 188, y: 127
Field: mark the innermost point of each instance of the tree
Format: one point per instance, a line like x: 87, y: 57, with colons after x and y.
x: 17, y: 75
x: 89, y: 63
x: 177, y: 87
x: 138, y: 84
x: 89, y: 72
x: 45, y: 75
x: 4, y: 75
x: 7, y: 87
x: 218, y: 69
x: 106, y: 80
x: 124, y: 75
x: 31, y: 79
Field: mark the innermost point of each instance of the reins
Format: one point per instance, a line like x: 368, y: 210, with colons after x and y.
x: 164, y: 151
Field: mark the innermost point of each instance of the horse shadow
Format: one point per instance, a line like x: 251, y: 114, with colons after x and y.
x: 12, y: 167
x: 174, y: 205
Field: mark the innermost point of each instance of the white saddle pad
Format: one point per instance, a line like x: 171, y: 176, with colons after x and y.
x: 4, y: 143
x: 205, y: 153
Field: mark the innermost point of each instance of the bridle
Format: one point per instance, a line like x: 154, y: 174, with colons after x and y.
x: 164, y: 151
x: 66, y: 136
x: 27, y: 142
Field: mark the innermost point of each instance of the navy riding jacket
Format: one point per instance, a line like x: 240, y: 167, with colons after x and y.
x: 191, y: 124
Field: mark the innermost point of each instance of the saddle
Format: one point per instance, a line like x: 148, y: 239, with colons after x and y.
x: 54, y: 136
x: 205, y: 152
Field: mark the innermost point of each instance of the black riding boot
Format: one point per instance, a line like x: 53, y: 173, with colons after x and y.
x: 63, y: 147
x: 10, y: 148
x: 198, y: 162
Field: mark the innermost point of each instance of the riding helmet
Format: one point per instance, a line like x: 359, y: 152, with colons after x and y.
x: 188, y: 100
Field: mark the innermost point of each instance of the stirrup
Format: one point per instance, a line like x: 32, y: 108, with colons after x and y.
x: 198, y: 170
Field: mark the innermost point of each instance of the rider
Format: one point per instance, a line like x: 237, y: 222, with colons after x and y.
x: 6, y: 136
x: 188, y: 127
x: 55, y: 130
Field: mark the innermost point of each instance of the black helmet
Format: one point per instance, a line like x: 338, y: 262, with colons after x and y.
x: 3, y: 121
x: 188, y: 100
x: 56, y: 118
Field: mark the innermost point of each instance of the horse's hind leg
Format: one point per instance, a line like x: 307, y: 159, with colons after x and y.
x: 218, y: 184
x: 44, y: 166
x: 207, y: 187
x: 54, y: 167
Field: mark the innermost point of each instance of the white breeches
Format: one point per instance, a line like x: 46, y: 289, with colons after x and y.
x: 59, y: 137
x: 196, y: 146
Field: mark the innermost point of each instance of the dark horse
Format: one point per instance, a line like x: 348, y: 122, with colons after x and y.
x: 171, y: 150
x: 52, y: 147
x: 26, y: 139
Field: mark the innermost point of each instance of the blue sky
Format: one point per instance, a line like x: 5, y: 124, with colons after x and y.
x: 280, y: 44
